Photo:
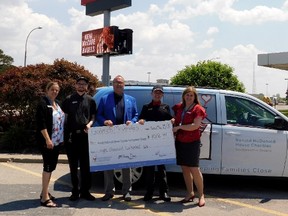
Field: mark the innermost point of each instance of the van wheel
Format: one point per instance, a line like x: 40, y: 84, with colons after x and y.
x: 136, y: 174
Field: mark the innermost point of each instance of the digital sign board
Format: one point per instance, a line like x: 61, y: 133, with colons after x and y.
x: 110, y: 40
x: 99, y: 41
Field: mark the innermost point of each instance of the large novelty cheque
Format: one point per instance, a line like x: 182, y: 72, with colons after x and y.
x: 135, y: 145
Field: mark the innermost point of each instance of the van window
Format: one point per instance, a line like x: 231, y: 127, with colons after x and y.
x: 247, y: 113
x: 208, y: 101
x: 142, y: 97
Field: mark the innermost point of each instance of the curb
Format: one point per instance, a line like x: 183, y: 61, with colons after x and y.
x: 28, y: 158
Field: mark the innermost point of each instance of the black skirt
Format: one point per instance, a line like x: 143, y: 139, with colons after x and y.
x: 187, y: 154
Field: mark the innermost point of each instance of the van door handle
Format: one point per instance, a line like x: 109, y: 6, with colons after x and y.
x: 213, y: 131
x: 233, y: 133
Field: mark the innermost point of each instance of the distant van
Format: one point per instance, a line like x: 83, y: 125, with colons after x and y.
x: 244, y: 135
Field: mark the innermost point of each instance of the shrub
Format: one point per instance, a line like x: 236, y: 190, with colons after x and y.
x: 21, y: 89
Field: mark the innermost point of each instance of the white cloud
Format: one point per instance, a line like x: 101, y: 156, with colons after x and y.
x: 285, y: 5
x: 186, y: 9
x: 258, y: 15
x: 212, y: 30
x: 165, y: 39
x: 206, y: 44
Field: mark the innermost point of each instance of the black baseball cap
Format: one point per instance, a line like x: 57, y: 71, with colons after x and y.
x: 82, y: 78
x: 158, y: 88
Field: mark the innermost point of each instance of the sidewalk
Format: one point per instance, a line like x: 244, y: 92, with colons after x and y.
x: 28, y: 158
x: 281, y: 107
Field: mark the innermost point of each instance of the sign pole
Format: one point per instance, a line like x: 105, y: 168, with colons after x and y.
x: 89, y: 41
x: 106, y: 57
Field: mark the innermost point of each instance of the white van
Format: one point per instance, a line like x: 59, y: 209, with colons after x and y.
x: 244, y: 136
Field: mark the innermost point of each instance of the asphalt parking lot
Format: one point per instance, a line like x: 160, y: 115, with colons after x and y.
x: 20, y: 187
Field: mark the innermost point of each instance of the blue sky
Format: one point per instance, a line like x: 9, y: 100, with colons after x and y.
x: 168, y: 35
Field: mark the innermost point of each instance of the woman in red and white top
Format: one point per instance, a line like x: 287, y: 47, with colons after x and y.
x: 188, y: 117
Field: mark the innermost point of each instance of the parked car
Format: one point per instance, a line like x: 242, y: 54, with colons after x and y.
x: 244, y: 135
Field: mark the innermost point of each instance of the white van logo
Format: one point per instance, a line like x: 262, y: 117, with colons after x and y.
x: 206, y: 99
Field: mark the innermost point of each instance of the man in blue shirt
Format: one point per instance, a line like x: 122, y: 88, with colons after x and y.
x: 117, y: 108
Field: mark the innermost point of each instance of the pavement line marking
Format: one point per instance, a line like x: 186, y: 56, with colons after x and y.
x: 142, y: 206
x: 21, y: 169
x: 153, y: 210
x: 157, y: 212
x: 131, y: 204
x: 33, y: 173
x: 252, y: 207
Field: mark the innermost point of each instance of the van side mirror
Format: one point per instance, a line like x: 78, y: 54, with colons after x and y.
x: 279, y: 123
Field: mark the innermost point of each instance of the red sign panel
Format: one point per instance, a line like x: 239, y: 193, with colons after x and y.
x: 99, y: 41
x: 85, y: 2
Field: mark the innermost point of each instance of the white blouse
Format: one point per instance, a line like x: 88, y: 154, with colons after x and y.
x: 58, y: 126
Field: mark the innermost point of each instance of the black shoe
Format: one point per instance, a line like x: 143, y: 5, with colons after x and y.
x: 74, y: 197
x: 87, y: 196
x: 50, y: 197
x: 148, y: 197
x: 165, y: 197
x: 107, y: 197
x: 127, y: 197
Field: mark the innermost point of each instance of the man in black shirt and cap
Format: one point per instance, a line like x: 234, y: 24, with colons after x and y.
x: 80, y: 109
x: 156, y: 111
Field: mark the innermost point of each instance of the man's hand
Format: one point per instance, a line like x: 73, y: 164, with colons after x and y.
x: 108, y: 123
x: 128, y: 122
x: 141, y: 121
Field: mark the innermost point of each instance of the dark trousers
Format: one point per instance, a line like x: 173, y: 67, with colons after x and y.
x: 150, y: 179
x: 78, y: 155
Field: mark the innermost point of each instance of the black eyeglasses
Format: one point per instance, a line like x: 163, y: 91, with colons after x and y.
x: 82, y: 84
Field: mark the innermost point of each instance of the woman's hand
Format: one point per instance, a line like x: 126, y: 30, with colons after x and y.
x: 49, y: 144
x: 175, y: 129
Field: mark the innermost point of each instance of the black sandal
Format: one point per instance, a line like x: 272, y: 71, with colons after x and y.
x: 48, y: 203
x: 50, y: 197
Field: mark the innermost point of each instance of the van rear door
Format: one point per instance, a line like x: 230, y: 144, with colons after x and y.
x: 211, y: 138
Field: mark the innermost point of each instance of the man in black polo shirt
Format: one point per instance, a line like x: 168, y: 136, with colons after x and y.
x: 80, y: 109
x: 155, y: 111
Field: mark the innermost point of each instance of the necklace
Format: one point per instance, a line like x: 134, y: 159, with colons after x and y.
x: 189, y: 107
x: 185, y: 111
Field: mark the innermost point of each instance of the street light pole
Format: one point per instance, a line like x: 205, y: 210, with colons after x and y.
x: 25, y: 55
x: 287, y: 91
x: 149, y: 77
x: 287, y: 83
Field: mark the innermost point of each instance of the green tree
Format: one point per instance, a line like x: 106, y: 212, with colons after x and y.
x: 5, y: 61
x: 208, y: 74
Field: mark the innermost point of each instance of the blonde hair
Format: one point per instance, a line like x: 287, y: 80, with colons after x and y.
x: 188, y: 90
x: 50, y: 84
